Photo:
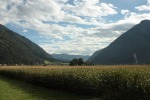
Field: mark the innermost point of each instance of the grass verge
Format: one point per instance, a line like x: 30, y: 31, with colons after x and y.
x: 11, y: 89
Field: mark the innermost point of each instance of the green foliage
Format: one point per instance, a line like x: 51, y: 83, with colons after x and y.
x: 89, y: 63
x: 16, y: 90
x: 74, y: 62
x: 79, y: 62
x: 108, y: 82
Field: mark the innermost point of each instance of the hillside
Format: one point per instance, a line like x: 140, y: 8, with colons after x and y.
x: 16, y: 49
x: 131, y: 47
x: 67, y: 57
x: 94, y: 55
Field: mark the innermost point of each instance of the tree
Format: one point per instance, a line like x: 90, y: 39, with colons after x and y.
x: 74, y: 62
x: 89, y: 64
x: 81, y: 62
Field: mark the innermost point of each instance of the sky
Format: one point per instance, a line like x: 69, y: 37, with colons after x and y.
x: 72, y: 26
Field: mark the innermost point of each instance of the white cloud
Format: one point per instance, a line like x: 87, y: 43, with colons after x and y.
x: 25, y: 31
x: 43, y: 16
x: 17, y: 10
x: 91, y: 8
x: 124, y: 12
x: 148, y: 2
x: 40, y: 9
x: 3, y: 4
x: 84, y: 46
x: 72, y: 19
x: 143, y: 8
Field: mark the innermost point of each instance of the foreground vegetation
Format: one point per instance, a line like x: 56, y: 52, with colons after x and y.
x: 16, y: 90
x: 108, y: 82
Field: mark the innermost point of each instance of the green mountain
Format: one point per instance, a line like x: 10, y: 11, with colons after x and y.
x: 16, y: 49
x: 132, y: 47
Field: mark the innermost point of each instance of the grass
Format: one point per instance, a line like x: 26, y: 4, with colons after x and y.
x: 128, y: 82
x: 11, y: 89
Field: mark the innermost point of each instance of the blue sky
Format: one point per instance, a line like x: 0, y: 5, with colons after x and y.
x: 72, y: 26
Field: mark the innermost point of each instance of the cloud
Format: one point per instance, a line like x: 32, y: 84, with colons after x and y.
x: 76, y: 46
x: 124, y: 12
x: 91, y: 8
x: 148, y: 2
x: 77, y: 28
x: 25, y: 31
x: 144, y: 7
x: 17, y: 10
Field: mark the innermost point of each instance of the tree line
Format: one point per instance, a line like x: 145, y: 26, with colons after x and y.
x: 80, y: 62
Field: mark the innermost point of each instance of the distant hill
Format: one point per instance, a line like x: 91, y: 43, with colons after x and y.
x: 131, y: 47
x: 16, y: 49
x: 67, y: 57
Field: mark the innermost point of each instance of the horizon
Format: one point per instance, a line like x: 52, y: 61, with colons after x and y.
x: 78, y: 27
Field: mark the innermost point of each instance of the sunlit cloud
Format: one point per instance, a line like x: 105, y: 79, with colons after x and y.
x: 74, y: 27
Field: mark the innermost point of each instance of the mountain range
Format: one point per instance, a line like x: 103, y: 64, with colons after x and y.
x: 132, y: 47
x: 16, y: 49
x: 67, y: 57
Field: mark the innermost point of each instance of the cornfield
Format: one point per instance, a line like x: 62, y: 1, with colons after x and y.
x: 128, y: 82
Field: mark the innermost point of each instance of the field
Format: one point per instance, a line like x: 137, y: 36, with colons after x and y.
x: 128, y: 82
x: 11, y: 89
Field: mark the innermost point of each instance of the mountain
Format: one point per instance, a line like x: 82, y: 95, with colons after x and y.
x: 67, y: 57
x: 16, y: 49
x: 132, y: 47
x: 94, y: 55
